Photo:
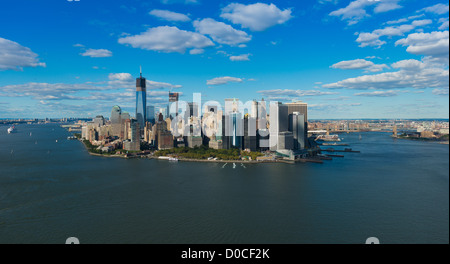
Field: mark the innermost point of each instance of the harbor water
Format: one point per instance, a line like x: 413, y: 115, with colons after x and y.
x: 51, y: 189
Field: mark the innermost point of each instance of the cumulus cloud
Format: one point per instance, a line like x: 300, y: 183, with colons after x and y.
x: 48, y: 91
x: 403, y: 20
x: 169, y: 15
x: 256, y: 17
x: 223, y: 80
x: 439, y: 9
x: 359, y: 64
x: 196, y: 51
x: 126, y: 80
x: 356, y: 10
x: 243, y: 57
x: 434, y: 44
x: 411, y: 74
x: 444, y: 24
x: 221, y: 32
x: 387, y: 5
x: 373, y: 39
x: 118, y: 88
x: 440, y: 91
x: 167, y: 39
x: 289, y: 95
x: 378, y: 93
x: 14, y: 56
x: 96, y: 53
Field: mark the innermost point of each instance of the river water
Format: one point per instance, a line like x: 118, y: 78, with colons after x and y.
x: 52, y: 189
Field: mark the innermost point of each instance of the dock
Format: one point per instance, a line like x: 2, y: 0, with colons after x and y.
x: 337, y: 150
x: 335, y: 155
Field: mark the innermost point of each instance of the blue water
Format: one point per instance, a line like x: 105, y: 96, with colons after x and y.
x: 395, y: 190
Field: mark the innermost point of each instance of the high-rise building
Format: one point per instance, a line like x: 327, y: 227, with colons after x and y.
x: 262, y: 115
x: 285, y: 141
x: 297, y: 127
x: 254, y: 112
x: 249, y: 141
x: 278, y: 123
x: 300, y: 107
x: 134, y: 141
x: 141, y: 100
x: 99, y: 121
x: 151, y: 114
x: 116, y: 120
x: 173, y: 98
x: 193, y: 110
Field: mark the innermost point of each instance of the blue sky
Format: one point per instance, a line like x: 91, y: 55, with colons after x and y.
x: 346, y: 59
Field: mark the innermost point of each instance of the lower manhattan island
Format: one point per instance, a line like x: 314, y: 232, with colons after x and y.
x: 162, y: 122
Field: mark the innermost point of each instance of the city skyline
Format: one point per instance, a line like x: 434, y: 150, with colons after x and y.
x: 346, y: 59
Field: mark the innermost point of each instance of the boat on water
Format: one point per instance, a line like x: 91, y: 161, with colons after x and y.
x: 12, y: 130
x: 328, y: 138
x: 173, y: 159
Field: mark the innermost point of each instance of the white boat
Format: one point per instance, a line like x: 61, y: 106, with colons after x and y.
x: 173, y: 159
x: 12, y: 130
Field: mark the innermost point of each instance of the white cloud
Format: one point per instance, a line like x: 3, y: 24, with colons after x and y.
x: 169, y: 15
x: 444, y: 22
x: 359, y: 64
x: 389, y: 93
x: 196, y: 51
x: 427, y: 73
x: 243, y: 57
x: 439, y: 9
x: 221, y: 32
x: 96, y: 53
x: 256, y: 17
x: 126, y: 80
x: 13, y: 56
x: 167, y: 39
x: 434, y: 44
x: 289, y: 95
x: 440, y: 91
x: 223, y: 80
x: 161, y: 85
x: 403, y: 20
x: 387, y: 5
x: 373, y: 38
x: 356, y: 10
x: 48, y: 91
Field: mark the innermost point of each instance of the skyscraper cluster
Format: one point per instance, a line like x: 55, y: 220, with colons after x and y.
x: 251, y: 126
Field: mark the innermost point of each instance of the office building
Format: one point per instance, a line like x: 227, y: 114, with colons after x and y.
x: 134, y: 141
x: 278, y: 123
x: 116, y: 121
x: 141, y: 101
x: 99, y: 121
x: 300, y: 107
x: 173, y: 104
x: 285, y: 141
x: 150, y: 114
x: 297, y: 127
x: 249, y: 141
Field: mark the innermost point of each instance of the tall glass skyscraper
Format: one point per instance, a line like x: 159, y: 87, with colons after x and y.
x: 141, y: 101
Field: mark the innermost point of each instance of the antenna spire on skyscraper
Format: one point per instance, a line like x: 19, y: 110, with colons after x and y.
x: 140, y: 69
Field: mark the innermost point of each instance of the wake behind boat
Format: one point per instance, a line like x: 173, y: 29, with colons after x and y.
x: 12, y: 130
